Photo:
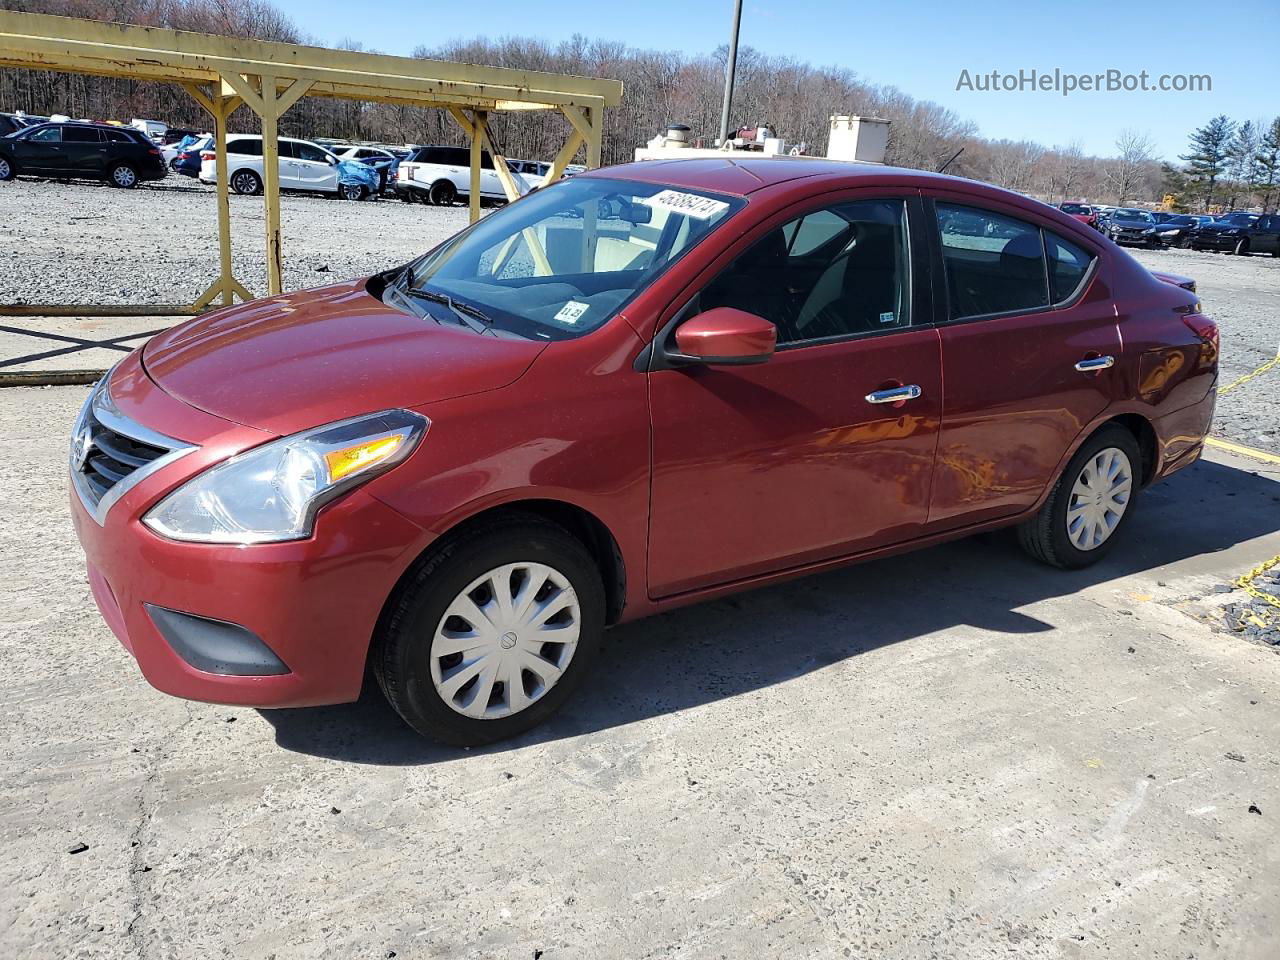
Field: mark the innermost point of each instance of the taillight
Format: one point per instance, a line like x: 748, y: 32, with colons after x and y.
x: 402, y: 173
x: 154, y: 151
x: 207, y: 155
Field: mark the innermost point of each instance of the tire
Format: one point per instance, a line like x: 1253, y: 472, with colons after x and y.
x: 246, y: 182
x: 1046, y: 536
x: 443, y: 193
x: 122, y: 175
x: 351, y: 191
x: 1241, y: 247
x: 455, y: 574
x: 7, y: 170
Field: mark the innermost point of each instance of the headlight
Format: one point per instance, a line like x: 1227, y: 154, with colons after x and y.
x: 1148, y: 230
x: 272, y: 493
x: 1168, y: 233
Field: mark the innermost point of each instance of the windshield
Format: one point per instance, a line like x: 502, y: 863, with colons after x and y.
x: 1241, y: 219
x: 1134, y: 215
x: 1180, y: 219
x: 1075, y: 208
x: 563, y: 260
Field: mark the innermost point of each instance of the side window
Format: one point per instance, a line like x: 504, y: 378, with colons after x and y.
x: 287, y: 148
x: 486, y: 161
x: 115, y: 136
x: 994, y: 263
x: 1068, y: 266
x: 47, y: 135
x: 837, y: 272
x: 80, y: 135
x: 305, y: 151
x: 247, y: 148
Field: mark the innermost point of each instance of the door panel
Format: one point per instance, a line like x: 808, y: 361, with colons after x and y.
x: 42, y: 151
x: 1015, y: 401
x: 84, y: 149
x: 765, y: 467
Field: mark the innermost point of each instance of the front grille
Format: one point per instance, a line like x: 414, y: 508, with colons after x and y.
x: 112, y: 457
x: 110, y: 453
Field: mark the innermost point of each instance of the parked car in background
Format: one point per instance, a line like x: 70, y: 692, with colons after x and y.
x: 118, y: 155
x: 187, y: 159
x: 302, y: 165
x: 1174, y: 229
x: 384, y: 161
x: 1130, y: 225
x: 154, y: 129
x: 455, y: 473
x: 442, y: 176
x: 1082, y: 212
x: 12, y: 123
x: 1240, y: 233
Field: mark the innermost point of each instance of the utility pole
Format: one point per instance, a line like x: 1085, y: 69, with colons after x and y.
x: 730, y: 68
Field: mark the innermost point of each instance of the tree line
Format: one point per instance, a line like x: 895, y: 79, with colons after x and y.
x: 1229, y: 165
x: 660, y: 87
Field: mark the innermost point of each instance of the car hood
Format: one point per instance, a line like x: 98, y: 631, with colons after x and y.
x: 1133, y: 224
x: 287, y: 363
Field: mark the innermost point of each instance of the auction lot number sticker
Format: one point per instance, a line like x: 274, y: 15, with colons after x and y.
x: 689, y: 204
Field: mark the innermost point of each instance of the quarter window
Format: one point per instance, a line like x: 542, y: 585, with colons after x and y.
x: 115, y: 136
x: 994, y: 263
x: 837, y: 272
x: 1068, y: 265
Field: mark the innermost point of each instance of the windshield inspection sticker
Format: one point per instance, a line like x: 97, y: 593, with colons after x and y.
x: 887, y: 317
x: 572, y: 311
x: 689, y: 204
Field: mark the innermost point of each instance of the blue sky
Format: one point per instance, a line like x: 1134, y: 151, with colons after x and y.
x: 920, y: 47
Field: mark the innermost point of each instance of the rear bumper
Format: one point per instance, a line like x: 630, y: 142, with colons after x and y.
x: 410, y: 189
x: 1215, y: 242
x: 1180, y: 435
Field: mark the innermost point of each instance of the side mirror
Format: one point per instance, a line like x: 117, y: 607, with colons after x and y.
x: 724, y: 336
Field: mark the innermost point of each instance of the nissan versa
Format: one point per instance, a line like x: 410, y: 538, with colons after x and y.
x: 642, y: 387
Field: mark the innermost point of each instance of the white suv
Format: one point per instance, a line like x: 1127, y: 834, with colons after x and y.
x: 303, y: 165
x: 442, y: 175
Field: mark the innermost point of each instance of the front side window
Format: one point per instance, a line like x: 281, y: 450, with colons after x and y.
x: 837, y: 272
x: 993, y: 263
x: 307, y: 151
x: 563, y: 260
x: 47, y: 135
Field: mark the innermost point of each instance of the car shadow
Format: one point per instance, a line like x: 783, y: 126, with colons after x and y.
x: 731, y: 646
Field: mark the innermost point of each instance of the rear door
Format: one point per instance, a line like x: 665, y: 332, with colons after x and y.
x: 1029, y: 336
x: 85, y: 151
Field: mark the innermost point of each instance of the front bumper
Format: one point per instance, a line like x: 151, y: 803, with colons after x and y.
x: 1135, y: 239
x: 311, y: 605
x: 1215, y: 241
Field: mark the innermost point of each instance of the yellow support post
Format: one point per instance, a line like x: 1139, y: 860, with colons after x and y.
x: 477, y: 119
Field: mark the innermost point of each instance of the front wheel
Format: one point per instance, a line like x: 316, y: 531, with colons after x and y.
x: 1089, y: 504
x: 492, y: 632
x: 7, y: 171
x: 1241, y: 248
x: 123, y: 176
x: 351, y: 191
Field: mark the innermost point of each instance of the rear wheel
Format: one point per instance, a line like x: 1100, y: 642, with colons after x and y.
x: 246, y: 182
x: 443, y: 193
x: 1088, y: 505
x: 492, y: 632
x: 124, y: 176
x: 7, y: 171
x: 1242, y: 247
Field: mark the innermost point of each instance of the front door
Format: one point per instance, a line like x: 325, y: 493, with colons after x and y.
x: 826, y: 449
x: 315, y: 171
x: 1029, y: 334
x: 42, y: 151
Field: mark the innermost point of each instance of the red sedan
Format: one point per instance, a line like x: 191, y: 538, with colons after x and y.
x: 638, y: 388
x: 1082, y: 212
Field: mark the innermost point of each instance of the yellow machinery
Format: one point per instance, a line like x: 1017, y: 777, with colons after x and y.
x: 222, y: 73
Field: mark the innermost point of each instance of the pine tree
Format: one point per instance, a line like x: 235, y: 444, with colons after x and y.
x: 1242, y: 161
x: 1208, y: 157
x: 1268, y: 163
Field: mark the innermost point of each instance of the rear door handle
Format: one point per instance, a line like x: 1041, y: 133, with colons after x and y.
x: 895, y: 394
x: 1091, y: 364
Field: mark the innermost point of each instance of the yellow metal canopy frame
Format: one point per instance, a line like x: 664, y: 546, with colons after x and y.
x: 222, y: 73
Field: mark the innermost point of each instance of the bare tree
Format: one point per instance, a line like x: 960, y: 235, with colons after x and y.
x: 1135, y: 155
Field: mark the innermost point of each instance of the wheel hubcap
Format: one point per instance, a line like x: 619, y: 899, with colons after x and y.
x: 124, y: 176
x: 1099, y: 498
x: 505, y: 640
x: 4, y: 168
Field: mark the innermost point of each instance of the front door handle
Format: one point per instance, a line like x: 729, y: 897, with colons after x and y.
x: 895, y: 394
x: 1091, y: 364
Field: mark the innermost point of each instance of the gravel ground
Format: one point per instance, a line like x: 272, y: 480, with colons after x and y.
x: 71, y: 249
x: 953, y: 754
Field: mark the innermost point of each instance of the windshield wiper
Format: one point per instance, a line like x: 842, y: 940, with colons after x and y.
x: 466, y: 314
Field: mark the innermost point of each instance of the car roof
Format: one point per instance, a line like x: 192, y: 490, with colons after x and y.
x: 746, y: 175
